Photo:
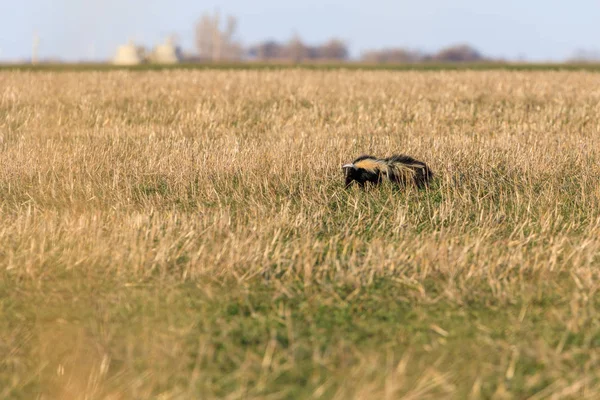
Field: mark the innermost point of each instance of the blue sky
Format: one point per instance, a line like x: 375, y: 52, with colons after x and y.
x: 537, y: 30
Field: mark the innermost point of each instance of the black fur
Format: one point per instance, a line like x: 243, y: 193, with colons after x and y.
x: 421, y: 175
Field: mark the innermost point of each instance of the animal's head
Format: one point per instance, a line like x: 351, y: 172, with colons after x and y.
x: 363, y: 169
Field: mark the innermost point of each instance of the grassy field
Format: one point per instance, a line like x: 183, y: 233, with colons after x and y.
x: 185, y: 234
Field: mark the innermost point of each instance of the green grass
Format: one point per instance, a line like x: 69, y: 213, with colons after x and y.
x: 262, y: 339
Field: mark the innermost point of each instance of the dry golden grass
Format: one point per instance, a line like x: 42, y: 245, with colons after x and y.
x: 184, y: 234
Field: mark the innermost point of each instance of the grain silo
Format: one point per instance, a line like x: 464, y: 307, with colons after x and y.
x: 166, y: 53
x: 129, y: 54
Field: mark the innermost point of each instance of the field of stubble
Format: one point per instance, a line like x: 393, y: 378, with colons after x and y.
x: 186, y: 234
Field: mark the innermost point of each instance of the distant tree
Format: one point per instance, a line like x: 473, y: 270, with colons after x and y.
x: 334, y: 49
x: 267, y: 50
x: 230, y: 49
x: 215, y: 44
x: 458, y: 53
x: 205, y: 29
x: 296, y: 50
x: 393, y: 55
x: 585, y: 56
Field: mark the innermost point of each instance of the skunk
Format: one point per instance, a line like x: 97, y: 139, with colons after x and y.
x: 400, y: 169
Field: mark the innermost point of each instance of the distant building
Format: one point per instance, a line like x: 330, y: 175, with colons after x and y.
x: 166, y: 53
x: 129, y: 54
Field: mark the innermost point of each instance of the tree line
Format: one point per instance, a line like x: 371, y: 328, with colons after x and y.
x: 217, y: 42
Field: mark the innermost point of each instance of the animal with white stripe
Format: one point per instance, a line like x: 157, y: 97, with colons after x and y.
x: 399, y: 169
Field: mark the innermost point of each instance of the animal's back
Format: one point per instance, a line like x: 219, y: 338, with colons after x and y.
x: 421, y: 172
x: 399, y: 168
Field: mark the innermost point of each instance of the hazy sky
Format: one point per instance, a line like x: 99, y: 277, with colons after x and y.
x: 83, y: 29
